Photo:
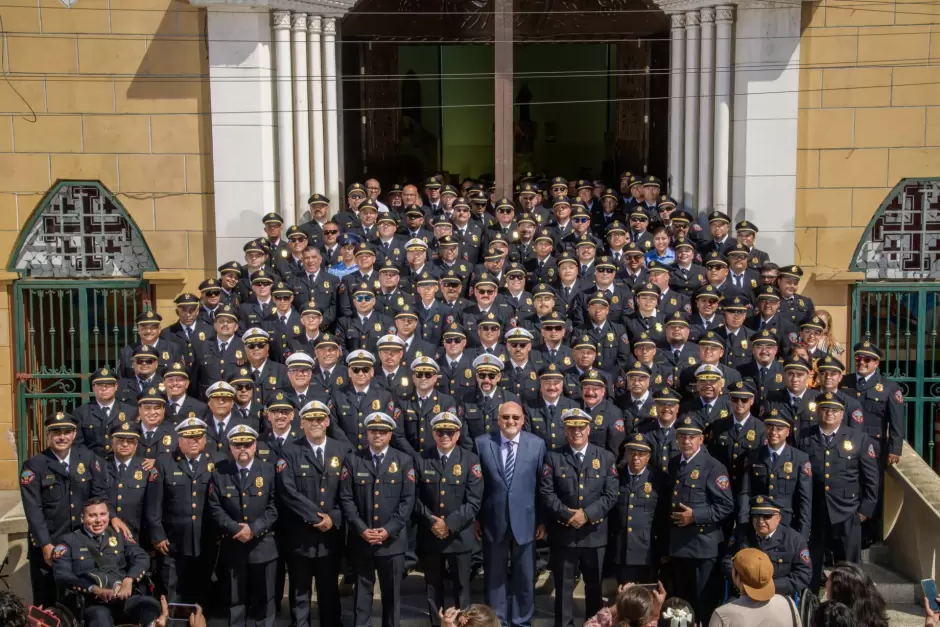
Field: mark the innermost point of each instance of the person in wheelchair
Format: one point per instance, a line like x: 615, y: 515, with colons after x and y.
x: 105, y: 570
x: 784, y: 546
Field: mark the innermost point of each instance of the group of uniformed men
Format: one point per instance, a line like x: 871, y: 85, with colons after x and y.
x: 303, y: 410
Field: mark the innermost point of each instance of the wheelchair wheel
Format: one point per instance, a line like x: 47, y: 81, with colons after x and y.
x: 808, y: 604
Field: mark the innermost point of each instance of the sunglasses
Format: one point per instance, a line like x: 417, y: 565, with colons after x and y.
x: 361, y: 369
x: 357, y: 197
x: 244, y: 387
x: 445, y: 433
x: 511, y: 417
x: 580, y: 220
x: 552, y: 328
x: 212, y: 293
x: 763, y: 516
x: 242, y: 444
x: 454, y: 340
x: 486, y: 375
x: 605, y: 270
x: 296, y: 240
x: 253, y: 347
x: 485, y: 292
x: 515, y: 277
x: 283, y: 297
x: 146, y: 362
x: 331, y: 232
x: 363, y: 298
x: 865, y: 359
x: 425, y: 375
x: 488, y: 327
x: 504, y: 210
x: 739, y: 400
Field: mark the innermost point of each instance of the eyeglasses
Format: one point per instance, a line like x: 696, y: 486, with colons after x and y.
x: 454, y: 340
x: 296, y: 240
x: 487, y: 375
x: 484, y: 292
x: 374, y: 189
x: 511, y: 417
x: 580, y: 220
x: 242, y: 444
x: 357, y: 197
x: 361, y: 369
x: 488, y: 327
x: 331, y: 232
x: 300, y: 371
x: 865, y: 359
x: 283, y: 297
x: 605, y: 270
x: 504, y: 210
x: 740, y: 400
x: 242, y: 387
x: 515, y: 277
x: 363, y: 298
x: 425, y: 375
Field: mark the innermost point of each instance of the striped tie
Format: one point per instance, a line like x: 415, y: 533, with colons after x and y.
x: 510, y: 462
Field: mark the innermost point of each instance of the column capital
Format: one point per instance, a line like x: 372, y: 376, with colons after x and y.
x: 677, y: 20
x: 692, y: 19
x: 298, y: 22
x: 708, y: 15
x: 329, y: 25
x: 281, y: 20
x: 314, y: 24
x: 724, y: 13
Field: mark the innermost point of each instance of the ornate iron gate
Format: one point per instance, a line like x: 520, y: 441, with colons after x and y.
x: 65, y: 330
x: 902, y: 319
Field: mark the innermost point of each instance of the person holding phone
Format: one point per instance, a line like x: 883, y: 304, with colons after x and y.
x: 105, y: 567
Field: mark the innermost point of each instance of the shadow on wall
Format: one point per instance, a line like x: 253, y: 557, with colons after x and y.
x: 173, y: 79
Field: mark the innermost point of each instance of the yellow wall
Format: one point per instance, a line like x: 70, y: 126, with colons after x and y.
x: 869, y: 116
x: 95, y: 102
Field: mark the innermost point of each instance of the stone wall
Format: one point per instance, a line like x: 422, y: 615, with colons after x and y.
x: 869, y: 116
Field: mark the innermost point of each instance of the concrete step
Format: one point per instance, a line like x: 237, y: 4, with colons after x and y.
x: 904, y: 615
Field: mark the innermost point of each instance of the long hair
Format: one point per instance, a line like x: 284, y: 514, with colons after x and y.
x: 636, y: 607
x: 478, y: 615
x: 850, y: 585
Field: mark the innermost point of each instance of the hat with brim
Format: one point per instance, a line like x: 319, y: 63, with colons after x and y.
x: 741, y: 390
x: 260, y: 278
x: 868, y: 350
x: 454, y: 330
x: 314, y: 409
x: 638, y: 442
x: 60, y: 420
x: 644, y: 340
x: 485, y: 280
x: 690, y: 425
x: 794, y: 272
x: 242, y: 434
x: 279, y: 401
x: 593, y: 377
x: 584, y: 342
x: 683, y: 243
x: 830, y: 363
x: 406, y: 312
x: 191, y: 427
x: 446, y: 421
x: 378, y: 421
x: 814, y: 324
x: 829, y: 400
x: 220, y: 389
x: 311, y: 308
x: 226, y: 312
x: 575, y: 417
x: 764, y: 337
x: 551, y: 371
x: 756, y: 574
x: 599, y: 298
x: 242, y: 377
x: 364, y: 288
x: 774, y: 417
x: 761, y: 505
x: 327, y: 340
x: 711, y: 339
x: 128, y: 430
x: 638, y: 369
x: 360, y: 358
x: 708, y: 372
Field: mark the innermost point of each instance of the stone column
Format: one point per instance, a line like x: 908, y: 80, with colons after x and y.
x: 332, y: 115
x: 724, y: 17
x: 676, y: 103
x: 706, y: 112
x: 285, y: 123
x: 315, y: 84
x: 690, y: 169
x: 301, y: 113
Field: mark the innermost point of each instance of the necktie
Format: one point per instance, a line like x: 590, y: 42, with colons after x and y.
x: 551, y: 412
x: 223, y: 347
x: 387, y: 245
x: 107, y: 411
x: 219, y: 429
x: 551, y: 355
x: 708, y: 409
x: 682, y: 465
x: 443, y: 460
x: 773, y: 458
x: 829, y: 439
x: 584, y: 270
x: 255, y: 374
x: 567, y: 293
x: 174, y: 409
x: 676, y: 354
x: 284, y: 320
x: 302, y: 400
x: 122, y: 469
x: 762, y: 323
x: 510, y: 462
x: 518, y: 370
x: 358, y: 398
x: 639, y: 406
x: 149, y: 435
x: 280, y: 441
x: 580, y: 458
x: 244, y: 473
x: 66, y: 466
x: 320, y: 456
x: 187, y: 332
x: 737, y: 429
x: 862, y: 384
x: 377, y: 460
x: 244, y: 411
x: 192, y: 465
x: 763, y: 372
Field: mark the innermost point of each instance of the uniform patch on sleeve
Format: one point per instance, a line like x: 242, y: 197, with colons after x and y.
x: 898, y: 396
x: 97, y: 466
x: 858, y: 416
x: 59, y: 551
x: 722, y: 482
x: 281, y: 465
x: 154, y: 475
x: 411, y: 475
x: 619, y: 426
x: 546, y: 470
x: 804, y: 556
x: 614, y: 471
x: 343, y: 476
x: 808, y: 469
x: 27, y: 477
x: 476, y: 471
x: 871, y: 451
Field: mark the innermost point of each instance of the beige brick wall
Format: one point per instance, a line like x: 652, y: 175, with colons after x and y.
x: 115, y: 90
x: 869, y: 116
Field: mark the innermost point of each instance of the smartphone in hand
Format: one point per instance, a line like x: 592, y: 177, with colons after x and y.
x: 930, y: 593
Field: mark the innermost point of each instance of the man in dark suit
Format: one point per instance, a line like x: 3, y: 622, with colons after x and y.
x: 510, y: 519
x: 318, y: 286
x: 242, y: 506
x: 216, y: 360
x: 377, y: 495
x: 189, y: 329
x: 309, y: 471
x: 221, y: 420
x: 450, y: 492
x: 577, y: 490
x: 97, y: 415
x: 148, y: 334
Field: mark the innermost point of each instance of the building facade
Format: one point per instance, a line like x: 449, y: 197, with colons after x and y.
x: 148, y: 137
